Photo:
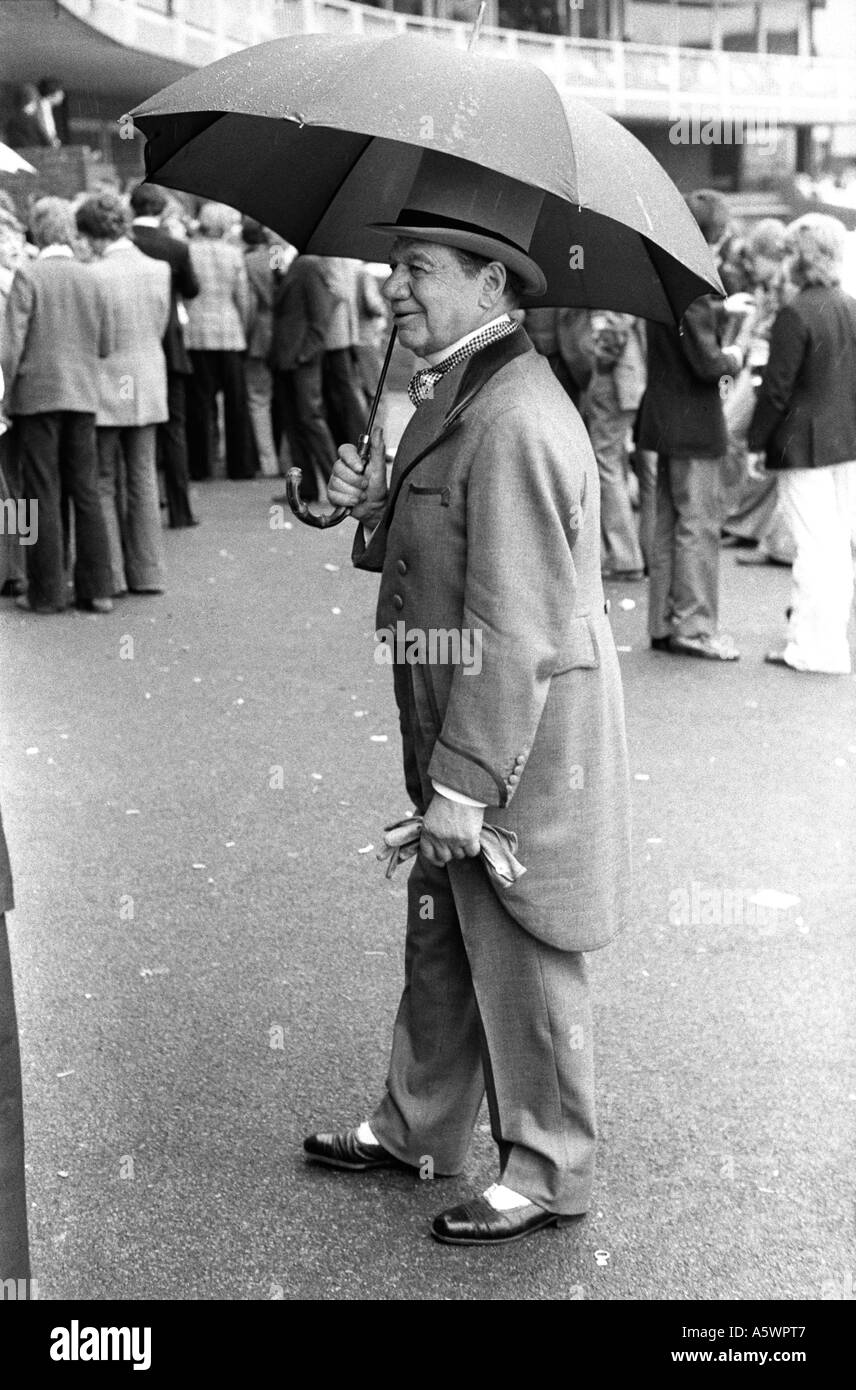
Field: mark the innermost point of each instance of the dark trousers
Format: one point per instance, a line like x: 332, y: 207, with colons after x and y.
x: 58, y: 454
x: 172, y: 451
x: 12, y: 553
x: 214, y: 372
x: 299, y: 413
x: 343, y: 394
x: 14, y: 1246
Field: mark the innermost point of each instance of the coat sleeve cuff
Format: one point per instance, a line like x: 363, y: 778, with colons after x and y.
x: 453, y: 767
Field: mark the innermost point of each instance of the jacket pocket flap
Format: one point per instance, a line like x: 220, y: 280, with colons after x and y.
x: 579, y: 650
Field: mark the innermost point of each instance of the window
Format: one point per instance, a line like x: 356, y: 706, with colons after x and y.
x: 652, y: 21
x: 739, y: 27
x: 782, y: 19
x: 695, y: 24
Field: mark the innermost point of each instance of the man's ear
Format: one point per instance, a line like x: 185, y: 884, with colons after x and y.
x: 493, y: 284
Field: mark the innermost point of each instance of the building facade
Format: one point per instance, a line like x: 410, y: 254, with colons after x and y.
x: 738, y: 94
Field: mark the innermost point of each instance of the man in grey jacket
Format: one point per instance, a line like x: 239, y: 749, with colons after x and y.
x: 58, y: 329
x: 489, y: 532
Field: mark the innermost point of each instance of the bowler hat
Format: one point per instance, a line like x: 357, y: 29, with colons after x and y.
x: 463, y: 205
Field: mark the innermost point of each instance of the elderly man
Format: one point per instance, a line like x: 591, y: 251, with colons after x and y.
x: 490, y: 530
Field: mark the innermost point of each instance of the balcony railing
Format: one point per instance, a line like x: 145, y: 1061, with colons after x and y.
x: 631, y: 80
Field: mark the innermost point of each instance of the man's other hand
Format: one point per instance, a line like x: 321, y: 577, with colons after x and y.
x: 450, y: 830
x: 363, y: 492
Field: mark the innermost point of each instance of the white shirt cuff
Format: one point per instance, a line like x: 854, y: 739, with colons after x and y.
x: 456, y: 796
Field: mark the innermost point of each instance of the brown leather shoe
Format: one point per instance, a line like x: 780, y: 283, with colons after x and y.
x: 345, y: 1151
x: 476, y: 1222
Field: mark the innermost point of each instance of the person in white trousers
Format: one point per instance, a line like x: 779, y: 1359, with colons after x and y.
x: 804, y: 424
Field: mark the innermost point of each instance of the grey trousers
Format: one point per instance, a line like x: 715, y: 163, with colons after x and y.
x: 14, y: 1247
x: 128, y: 488
x: 609, y: 427
x: 683, y: 597
x: 259, y: 380
x: 488, y: 1007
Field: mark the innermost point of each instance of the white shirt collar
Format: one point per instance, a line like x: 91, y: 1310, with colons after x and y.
x: 434, y: 357
x: 56, y: 250
x: 120, y: 244
x: 145, y: 222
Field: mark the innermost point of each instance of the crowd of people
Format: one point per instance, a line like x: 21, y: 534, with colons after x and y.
x: 737, y: 429
x: 126, y: 320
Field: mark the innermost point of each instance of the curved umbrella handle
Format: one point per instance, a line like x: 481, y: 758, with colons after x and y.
x: 302, y: 509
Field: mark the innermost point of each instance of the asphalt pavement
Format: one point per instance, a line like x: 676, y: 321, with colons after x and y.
x: 208, y: 957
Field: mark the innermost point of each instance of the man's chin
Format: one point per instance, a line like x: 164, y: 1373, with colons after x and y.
x: 412, y: 336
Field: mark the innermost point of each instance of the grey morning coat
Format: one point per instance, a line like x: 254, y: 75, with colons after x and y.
x: 492, y: 526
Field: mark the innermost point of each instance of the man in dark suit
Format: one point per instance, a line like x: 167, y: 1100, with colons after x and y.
x: 303, y: 306
x: 24, y: 129
x: 147, y: 204
x: 681, y: 419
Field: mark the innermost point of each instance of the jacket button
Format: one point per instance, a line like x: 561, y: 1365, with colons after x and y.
x: 397, y: 601
x: 514, y: 779
x: 402, y: 567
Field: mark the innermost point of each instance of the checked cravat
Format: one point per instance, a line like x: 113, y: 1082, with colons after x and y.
x: 421, y: 386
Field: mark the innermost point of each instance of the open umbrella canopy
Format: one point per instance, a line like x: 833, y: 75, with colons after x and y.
x: 319, y: 135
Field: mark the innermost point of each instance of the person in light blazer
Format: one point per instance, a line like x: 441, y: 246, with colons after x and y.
x: 132, y: 397
x: 216, y: 337
x: 57, y: 332
x: 490, y: 529
x: 804, y: 424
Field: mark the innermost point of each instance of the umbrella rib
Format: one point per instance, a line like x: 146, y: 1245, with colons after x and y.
x: 216, y: 116
x: 343, y: 180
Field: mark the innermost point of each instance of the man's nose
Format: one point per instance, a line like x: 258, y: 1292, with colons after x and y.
x: 397, y: 286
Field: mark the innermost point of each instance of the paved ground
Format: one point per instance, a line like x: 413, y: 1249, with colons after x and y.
x: 208, y: 957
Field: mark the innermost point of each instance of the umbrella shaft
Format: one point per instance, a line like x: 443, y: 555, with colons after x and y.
x: 364, y: 444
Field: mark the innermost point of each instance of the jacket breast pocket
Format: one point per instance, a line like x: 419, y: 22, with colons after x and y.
x: 579, y: 651
x: 441, y: 495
